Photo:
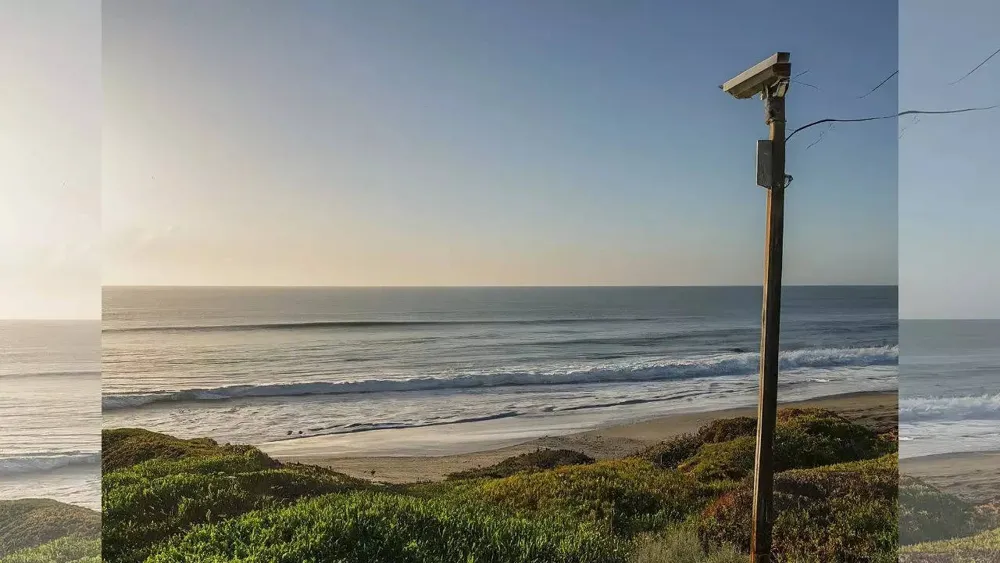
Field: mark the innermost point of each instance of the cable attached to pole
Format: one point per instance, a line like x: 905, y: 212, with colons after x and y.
x: 900, y: 114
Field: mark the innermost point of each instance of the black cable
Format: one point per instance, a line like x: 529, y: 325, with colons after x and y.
x: 793, y: 81
x: 880, y: 84
x: 820, y: 138
x: 968, y: 74
x: 900, y: 114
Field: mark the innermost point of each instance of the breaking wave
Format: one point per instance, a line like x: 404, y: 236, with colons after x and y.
x: 733, y: 364
x: 45, y: 461
x: 982, y: 407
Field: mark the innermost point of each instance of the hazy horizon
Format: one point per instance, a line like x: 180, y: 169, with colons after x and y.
x: 411, y: 146
x: 489, y: 286
x: 399, y: 145
x: 50, y: 159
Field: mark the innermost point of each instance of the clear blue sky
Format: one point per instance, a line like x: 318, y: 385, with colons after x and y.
x: 949, y: 202
x: 469, y: 142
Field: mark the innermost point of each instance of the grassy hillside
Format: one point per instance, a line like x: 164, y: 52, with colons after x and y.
x: 936, y: 527
x: 983, y: 547
x: 156, y: 486
x: 167, y: 499
x: 71, y: 549
x: 46, y: 530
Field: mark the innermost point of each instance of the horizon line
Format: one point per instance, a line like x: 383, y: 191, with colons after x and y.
x: 48, y: 319
x: 581, y: 286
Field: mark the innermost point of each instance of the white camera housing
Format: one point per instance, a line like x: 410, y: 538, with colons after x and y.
x: 774, y: 71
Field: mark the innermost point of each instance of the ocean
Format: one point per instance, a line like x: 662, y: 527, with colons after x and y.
x: 50, y: 414
x: 949, y: 387
x: 259, y: 365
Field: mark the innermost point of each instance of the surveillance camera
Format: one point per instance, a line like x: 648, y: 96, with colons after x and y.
x: 769, y: 72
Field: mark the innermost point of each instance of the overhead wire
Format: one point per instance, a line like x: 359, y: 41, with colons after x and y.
x: 900, y: 114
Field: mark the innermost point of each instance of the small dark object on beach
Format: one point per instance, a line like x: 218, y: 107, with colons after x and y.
x: 289, y: 433
x: 300, y: 432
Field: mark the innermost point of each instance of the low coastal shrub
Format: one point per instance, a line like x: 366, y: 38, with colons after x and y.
x: 138, y: 516
x: 851, y: 440
x: 980, y: 548
x: 624, y: 496
x: 927, y: 514
x: 538, y: 460
x: 156, y: 468
x: 125, y: 447
x: 794, y: 448
x: 730, y: 460
x: 725, y: 429
x: 804, y: 438
x: 681, y: 545
x: 839, y: 513
x: 154, y: 500
x: 72, y: 549
x: 194, y: 500
x: 29, y: 523
x: 385, y: 528
x: 671, y: 453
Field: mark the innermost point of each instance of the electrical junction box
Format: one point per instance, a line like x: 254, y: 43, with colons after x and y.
x: 765, y: 174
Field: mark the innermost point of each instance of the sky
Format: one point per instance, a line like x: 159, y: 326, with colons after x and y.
x: 949, y: 234
x: 50, y: 142
x: 470, y: 142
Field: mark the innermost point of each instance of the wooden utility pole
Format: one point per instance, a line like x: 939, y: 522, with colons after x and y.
x: 770, y: 79
x: 767, y: 412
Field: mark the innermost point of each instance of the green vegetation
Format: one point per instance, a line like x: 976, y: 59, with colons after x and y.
x: 29, y: 523
x: 538, y: 460
x: 156, y: 499
x: 682, y: 545
x: 804, y: 438
x: 624, y: 497
x: 70, y: 549
x: 844, y: 512
x: 927, y: 514
x: 936, y: 527
x: 383, y: 528
x: 684, y: 500
x: 980, y: 548
x: 125, y: 447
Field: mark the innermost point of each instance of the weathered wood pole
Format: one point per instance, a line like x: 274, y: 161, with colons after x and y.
x: 763, y: 490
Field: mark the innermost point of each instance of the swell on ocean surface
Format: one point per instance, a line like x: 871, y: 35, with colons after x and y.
x: 45, y: 461
x: 732, y: 364
x: 306, y: 325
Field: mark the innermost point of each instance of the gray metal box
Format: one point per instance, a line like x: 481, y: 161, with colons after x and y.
x: 765, y: 175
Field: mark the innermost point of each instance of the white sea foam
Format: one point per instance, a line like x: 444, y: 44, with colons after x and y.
x: 45, y: 461
x: 982, y: 407
x: 732, y: 364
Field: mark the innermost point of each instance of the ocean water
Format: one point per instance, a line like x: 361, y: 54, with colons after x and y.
x: 50, y: 412
x: 262, y: 365
x: 949, y: 387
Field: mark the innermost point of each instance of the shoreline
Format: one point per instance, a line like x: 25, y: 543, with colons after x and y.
x: 971, y: 476
x: 878, y: 409
x: 76, y: 485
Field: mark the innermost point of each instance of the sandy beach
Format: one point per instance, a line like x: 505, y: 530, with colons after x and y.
x: 876, y: 409
x: 972, y: 476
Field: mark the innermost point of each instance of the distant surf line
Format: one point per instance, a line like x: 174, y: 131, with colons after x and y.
x: 364, y: 324
x: 729, y: 364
